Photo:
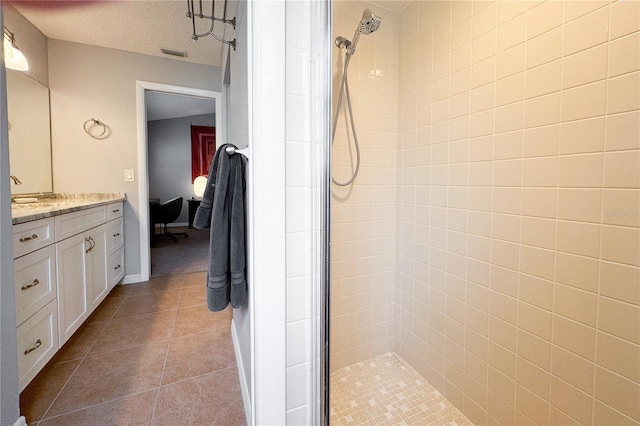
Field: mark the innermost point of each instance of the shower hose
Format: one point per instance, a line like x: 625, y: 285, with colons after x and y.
x: 344, y: 87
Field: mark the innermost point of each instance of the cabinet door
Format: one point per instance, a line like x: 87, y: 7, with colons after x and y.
x: 72, y: 260
x: 97, y: 268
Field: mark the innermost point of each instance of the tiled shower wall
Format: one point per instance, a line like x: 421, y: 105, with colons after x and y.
x: 363, y: 214
x: 518, y: 246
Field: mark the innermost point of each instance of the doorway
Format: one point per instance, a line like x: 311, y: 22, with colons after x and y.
x: 142, y: 89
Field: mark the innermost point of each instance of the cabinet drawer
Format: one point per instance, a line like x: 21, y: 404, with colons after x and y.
x: 35, y: 275
x: 115, y: 268
x: 114, y: 210
x: 74, y: 223
x: 37, y: 342
x: 31, y: 236
x: 115, y: 235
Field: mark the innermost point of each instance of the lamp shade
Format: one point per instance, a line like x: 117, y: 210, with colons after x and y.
x: 199, y: 184
x: 13, y: 58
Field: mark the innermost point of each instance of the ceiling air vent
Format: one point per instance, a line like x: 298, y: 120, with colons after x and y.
x: 174, y: 53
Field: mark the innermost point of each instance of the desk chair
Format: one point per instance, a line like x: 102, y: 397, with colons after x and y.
x: 165, y: 213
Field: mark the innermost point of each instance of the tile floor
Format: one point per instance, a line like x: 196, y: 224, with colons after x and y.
x: 151, y: 354
x: 386, y: 391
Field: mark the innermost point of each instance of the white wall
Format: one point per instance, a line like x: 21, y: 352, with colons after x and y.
x: 88, y: 81
x: 170, y: 158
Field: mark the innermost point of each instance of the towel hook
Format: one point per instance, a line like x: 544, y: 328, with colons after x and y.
x: 232, y: 149
x: 94, y: 123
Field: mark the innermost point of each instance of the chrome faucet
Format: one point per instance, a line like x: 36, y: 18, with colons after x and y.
x: 15, y: 180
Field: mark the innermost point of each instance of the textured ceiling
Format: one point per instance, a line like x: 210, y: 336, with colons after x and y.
x: 135, y: 26
x: 161, y: 106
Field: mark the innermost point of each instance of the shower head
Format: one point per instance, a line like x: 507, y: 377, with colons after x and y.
x: 368, y: 24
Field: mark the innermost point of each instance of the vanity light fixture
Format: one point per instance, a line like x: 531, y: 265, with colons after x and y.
x: 13, y: 58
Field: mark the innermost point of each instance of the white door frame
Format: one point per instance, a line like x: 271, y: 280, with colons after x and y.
x: 143, y: 169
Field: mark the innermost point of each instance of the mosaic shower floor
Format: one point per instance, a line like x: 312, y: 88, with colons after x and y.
x: 386, y: 390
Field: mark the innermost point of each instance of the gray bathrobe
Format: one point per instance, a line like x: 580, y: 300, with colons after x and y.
x: 222, y: 210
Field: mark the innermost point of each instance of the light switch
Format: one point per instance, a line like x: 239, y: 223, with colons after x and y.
x: 129, y: 175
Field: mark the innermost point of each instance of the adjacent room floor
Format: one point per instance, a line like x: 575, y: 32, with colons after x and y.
x: 183, y: 256
x: 151, y: 354
x: 386, y: 391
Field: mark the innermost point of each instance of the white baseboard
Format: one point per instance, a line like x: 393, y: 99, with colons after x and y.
x: 244, y: 387
x: 21, y: 422
x: 131, y: 279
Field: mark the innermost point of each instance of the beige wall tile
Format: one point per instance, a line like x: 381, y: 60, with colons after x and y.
x: 624, y: 55
x: 572, y: 369
x: 507, y: 200
x: 502, y: 333
x: 501, y: 411
x: 582, y: 136
x: 541, y: 171
x: 501, y: 385
x: 622, y: 131
x: 483, y: 97
x: 532, y: 406
x: 534, y: 320
x: 483, y: 72
x: 506, y: 227
x: 544, y: 48
x: 575, y: 9
x: 590, y: 100
x: 539, y: 202
x: 509, y: 117
x: 542, y: 111
x: 538, y: 262
x: 542, y: 141
x: 605, y: 415
x: 620, y: 282
x: 577, y: 271
x: 621, y: 244
x: 586, y: 31
x: 510, y: 89
x: 574, y: 337
x: 622, y: 93
x: 581, y: 171
x: 536, y: 291
x: 508, y: 145
x: 620, y: 319
x: 619, y: 393
x: 543, y: 79
x: 570, y: 400
x: 543, y: 18
x: 504, y: 281
x: 538, y: 232
x: 511, y: 61
x: 625, y: 18
x: 622, y: 169
x: 533, y: 378
x: 512, y: 32
x: 534, y: 349
x: 578, y: 238
x: 510, y: 9
x: 585, y: 67
x: 580, y: 205
x: 619, y: 356
x: 557, y: 417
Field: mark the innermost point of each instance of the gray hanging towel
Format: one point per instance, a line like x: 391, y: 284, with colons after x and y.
x: 222, y: 210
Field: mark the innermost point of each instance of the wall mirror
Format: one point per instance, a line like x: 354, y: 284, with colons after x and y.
x: 29, y: 134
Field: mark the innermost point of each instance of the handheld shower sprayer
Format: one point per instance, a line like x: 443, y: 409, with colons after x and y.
x: 368, y: 24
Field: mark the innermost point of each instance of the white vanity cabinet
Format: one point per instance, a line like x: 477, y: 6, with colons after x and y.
x: 82, y: 278
x: 85, y: 269
x: 35, y: 287
x: 64, y: 268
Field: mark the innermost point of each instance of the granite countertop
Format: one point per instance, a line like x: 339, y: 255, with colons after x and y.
x: 27, y: 209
